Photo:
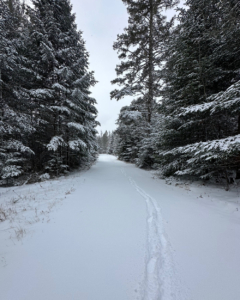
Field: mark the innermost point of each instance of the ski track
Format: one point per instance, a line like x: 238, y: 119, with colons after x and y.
x: 160, y: 280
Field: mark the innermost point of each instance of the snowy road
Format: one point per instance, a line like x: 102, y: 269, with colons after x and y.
x: 120, y: 234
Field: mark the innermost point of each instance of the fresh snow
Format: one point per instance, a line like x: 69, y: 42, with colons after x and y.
x: 77, y: 144
x: 55, y: 142
x: 118, y: 232
x: 77, y: 126
x: 227, y: 145
x: 219, y: 102
x: 134, y: 115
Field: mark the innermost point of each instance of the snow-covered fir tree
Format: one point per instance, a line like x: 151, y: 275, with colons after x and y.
x: 203, y: 62
x: 48, y: 116
x: 128, y: 139
x: 103, y: 142
x: 133, y: 134
x: 15, y: 114
x: 113, y: 145
x: 69, y: 113
x: 110, y: 148
x: 208, y: 158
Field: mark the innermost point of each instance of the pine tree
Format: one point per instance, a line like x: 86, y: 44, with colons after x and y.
x: 68, y: 134
x: 132, y: 124
x: 100, y: 144
x: 15, y: 115
x: 202, y: 64
x: 47, y: 116
x: 113, y: 148
x: 140, y: 49
x: 215, y: 155
x: 104, y: 142
x: 110, y: 148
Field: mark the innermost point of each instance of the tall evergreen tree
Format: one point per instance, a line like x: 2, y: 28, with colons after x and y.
x: 140, y: 49
x: 47, y: 116
x: 110, y: 143
x: 104, y: 141
x: 202, y: 62
x: 68, y: 111
x: 15, y: 117
x: 132, y: 125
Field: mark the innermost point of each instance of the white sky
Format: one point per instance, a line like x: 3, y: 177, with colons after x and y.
x: 101, y: 21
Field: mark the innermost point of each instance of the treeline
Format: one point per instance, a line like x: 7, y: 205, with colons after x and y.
x: 47, y: 116
x: 107, y: 143
x: 185, y: 76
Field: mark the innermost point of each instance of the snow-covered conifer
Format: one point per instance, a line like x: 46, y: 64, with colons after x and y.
x: 15, y: 112
x: 47, y: 116
x: 208, y: 158
x: 140, y: 48
x: 197, y: 105
x: 66, y: 108
x: 132, y: 127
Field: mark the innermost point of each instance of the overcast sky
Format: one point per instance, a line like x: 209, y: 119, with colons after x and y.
x: 101, y: 21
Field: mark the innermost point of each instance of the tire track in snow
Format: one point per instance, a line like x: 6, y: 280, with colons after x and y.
x: 160, y: 280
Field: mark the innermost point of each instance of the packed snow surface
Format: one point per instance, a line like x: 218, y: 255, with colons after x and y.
x: 116, y: 232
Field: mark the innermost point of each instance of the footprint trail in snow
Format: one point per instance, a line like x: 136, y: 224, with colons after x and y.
x: 160, y: 279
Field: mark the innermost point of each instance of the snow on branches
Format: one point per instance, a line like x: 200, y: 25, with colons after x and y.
x: 203, y: 157
x: 228, y: 100
x: 77, y: 145
x: 55, y: 143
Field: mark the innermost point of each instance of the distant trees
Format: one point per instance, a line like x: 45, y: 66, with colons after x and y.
x: 48, y: 117
x: 108, y: 143
x: 103, y: 142
x: 195, y: 123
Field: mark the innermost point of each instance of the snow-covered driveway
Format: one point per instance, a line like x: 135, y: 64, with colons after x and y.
x: 119, y: 234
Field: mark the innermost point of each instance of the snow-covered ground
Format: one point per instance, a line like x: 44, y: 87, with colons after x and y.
x: 116, y: 232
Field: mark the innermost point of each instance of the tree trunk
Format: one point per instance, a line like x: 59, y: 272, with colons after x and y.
x: 227, y: 180
x: 1, y: 105
x: 1, y: 94
x: 10, y: 4
x: 238, y: 124
x: 150, y: 63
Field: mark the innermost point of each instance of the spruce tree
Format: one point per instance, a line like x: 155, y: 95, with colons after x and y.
x: 47, y: 116
x: 202, y: 64
x: 15, y: 112
x: 132, y: 125
x: 66, y: 108
x: 140, y: 49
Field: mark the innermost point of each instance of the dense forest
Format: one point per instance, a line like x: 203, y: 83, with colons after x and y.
x: 184, y: 75
x: 107, y: 143
x: 47, y: 115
